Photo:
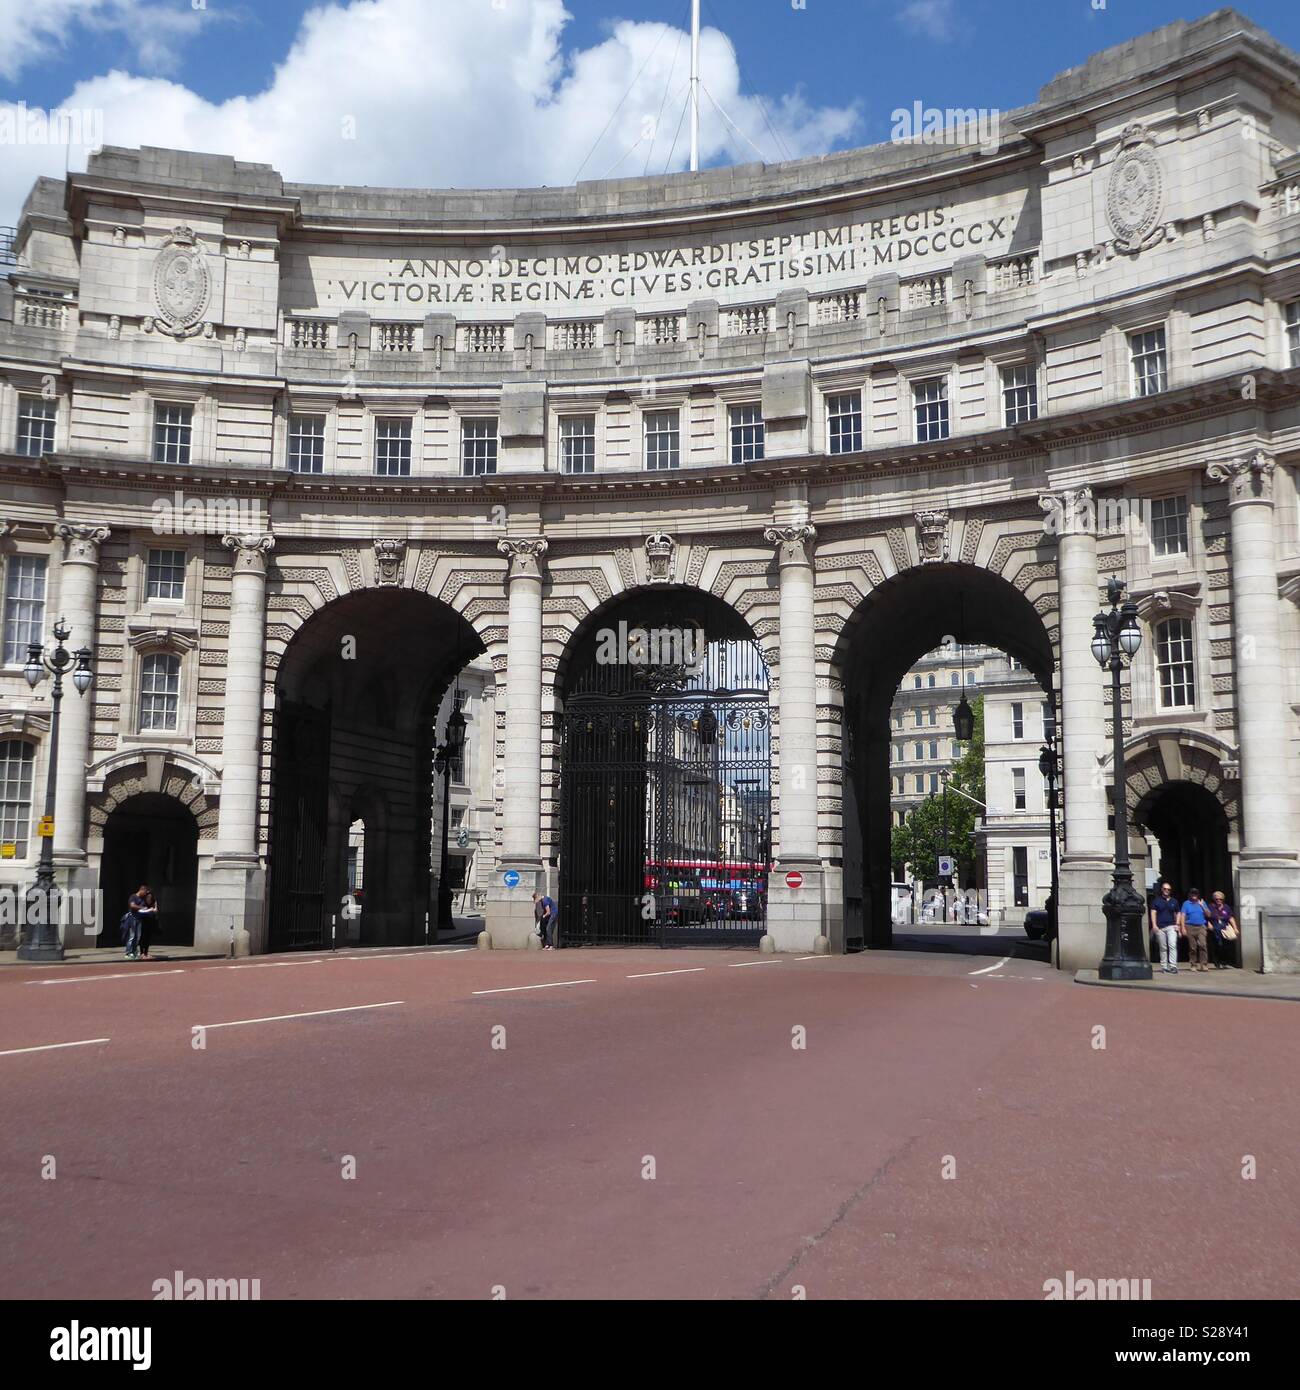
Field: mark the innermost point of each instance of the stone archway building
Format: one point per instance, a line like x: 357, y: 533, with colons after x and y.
x: 1074, y: 356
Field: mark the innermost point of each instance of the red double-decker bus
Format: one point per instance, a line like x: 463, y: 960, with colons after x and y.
x: 701, y: 890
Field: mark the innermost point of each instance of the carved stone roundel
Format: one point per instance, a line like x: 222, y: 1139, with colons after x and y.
x: 1135, y: 193
x: 180, y: 280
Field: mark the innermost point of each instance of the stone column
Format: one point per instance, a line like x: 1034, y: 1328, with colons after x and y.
x: 795, y: 914
x: 1269, y: 869
x: 78, y: 584
x: 1086, y: 864
x: 510, y: 912
x: 231, y: 885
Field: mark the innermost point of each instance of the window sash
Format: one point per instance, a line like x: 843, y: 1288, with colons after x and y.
x: 1169, y: 526
x: 662, y: 439
x: 1293, y: 333
x: 747, y: 433
x: 1019, y: 394
x: 1149, y: 362
x: 160, y: 684
x: 393, y: 446
x: 173, y: 433
x: 578, y: 443
x: 478, y: 446
x: 307, y: 443
x: 24, y: 608
x: 930, y: 405
x: 1176, y: 664
x: 844, y: 422
x: 165, y: 574
x: 36, y: 423
x: 17, y: 762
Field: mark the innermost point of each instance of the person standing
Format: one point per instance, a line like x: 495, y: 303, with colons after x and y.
x: 545, y: 914
x: 1166, y: 923
x: 148, y: 921
x: 1194, y: 920
x: 1223, y: 930
x: 133, y: 922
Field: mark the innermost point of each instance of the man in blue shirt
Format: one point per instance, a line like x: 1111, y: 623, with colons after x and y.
x: 547, y: 915
x: 1167, y: 923
x: 1195, y: 919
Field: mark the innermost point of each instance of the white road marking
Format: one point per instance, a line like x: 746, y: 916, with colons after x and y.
x: 53, y: 1047
x: 989, y: 968
x: 270, y: 964
x: 741, y: 964
x: 126, y: 975
x: 311, y: 1013
x: 553, y: 984
x: 650, y: 974
x: 810, y: 958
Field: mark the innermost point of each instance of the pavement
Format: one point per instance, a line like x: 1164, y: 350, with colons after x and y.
x: 448, y: 1122
x: 1237, y: 984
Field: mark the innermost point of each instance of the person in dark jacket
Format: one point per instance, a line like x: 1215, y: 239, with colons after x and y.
x: 1222, y: 952
x: 1166, y: 923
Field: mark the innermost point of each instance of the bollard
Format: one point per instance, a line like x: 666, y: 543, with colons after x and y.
x: 333, y: 921
x: 232, y: 938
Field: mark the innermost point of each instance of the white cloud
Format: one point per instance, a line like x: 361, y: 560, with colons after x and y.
x: 409, y: 94
x: 32, y: 31
x: 934, y: 18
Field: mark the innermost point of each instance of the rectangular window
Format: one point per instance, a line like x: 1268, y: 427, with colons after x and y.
x: 393, y: 446
x: 24, y: 616
x: 307, y: 443
x: 956, y: 750
x: 1147, y: 352
x: 1018, y: 787
x: 165, y: 575
x: 173, y: 428
x: 1293, y: 334
x: 920, y: 785
x: 930, y: 403
x: 1020, y: 875
x: 954, y: 678
x: 1169, y: 526
x: 1019, y: 394
x: 970, y: 677
x: 160, y: 685
x: 1017, y: 720
x: 934, y: 748
x: 1175, y: 664
x: 934, y: 717
x: 1049, y: 721
x: 17, y: 757
x: 36, y: 419
x: 478, y: 446
x: 844, y: 422
x: 934, y: 783
x: 578, y: 443
x: 662, y: 439
x: 747, y: 433
x: 920, y: 752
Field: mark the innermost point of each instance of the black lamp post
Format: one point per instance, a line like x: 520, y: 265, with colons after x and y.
x: 1116, y: 635
x: 1047, y: 766
x: 43, y: 942
x: 449, y: 752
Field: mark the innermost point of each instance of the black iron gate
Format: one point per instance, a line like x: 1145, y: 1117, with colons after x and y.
x: 665, y: 791
x: 298, y: 831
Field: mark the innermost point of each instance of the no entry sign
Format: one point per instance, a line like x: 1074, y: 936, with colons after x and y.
x: 794, y: 879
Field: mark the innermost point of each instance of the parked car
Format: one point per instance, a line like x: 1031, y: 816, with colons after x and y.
x: 1037, y: 922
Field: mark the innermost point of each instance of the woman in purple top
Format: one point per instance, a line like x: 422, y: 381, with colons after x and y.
x: 1221, y: 947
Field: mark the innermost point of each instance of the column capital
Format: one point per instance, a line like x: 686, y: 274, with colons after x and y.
x: 1070, y: 511
x: 250, y: 551
x: 525, y: 555
x: 1249, y: 479
x: 794, y: 542
x: 82, y: 541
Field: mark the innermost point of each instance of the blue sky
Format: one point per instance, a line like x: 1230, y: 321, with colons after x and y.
x: 481, y: 92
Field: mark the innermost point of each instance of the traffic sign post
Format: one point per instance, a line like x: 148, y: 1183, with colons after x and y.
x: 947, y: 865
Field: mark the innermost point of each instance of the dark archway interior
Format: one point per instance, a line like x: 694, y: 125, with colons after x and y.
x: 1191, y: 828
x: 665, y: 775
x: 151, y: 839
x: 898, y: 624
x: 357, y: 697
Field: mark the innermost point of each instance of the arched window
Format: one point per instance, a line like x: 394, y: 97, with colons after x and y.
x: 16, y: 760
x: 160, y: 684
x: 1175, y: 664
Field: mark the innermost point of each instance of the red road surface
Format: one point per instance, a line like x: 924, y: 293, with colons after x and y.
x: 775, y: 1167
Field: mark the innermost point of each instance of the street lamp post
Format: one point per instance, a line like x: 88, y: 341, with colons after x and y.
x: 946, y: 878
x: 43, y: 942
x: 449, y: 751
x: 1047, y: 766
x: 1116, y: 635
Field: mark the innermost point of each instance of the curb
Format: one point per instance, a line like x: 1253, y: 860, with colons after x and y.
x: 1089, y: 977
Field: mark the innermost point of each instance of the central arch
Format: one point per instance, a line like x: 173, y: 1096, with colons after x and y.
x: 665, y: 757
x: 897, y: 623
x: 357, y: 695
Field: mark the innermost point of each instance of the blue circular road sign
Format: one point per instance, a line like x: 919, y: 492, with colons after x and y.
x: 511, y: 878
